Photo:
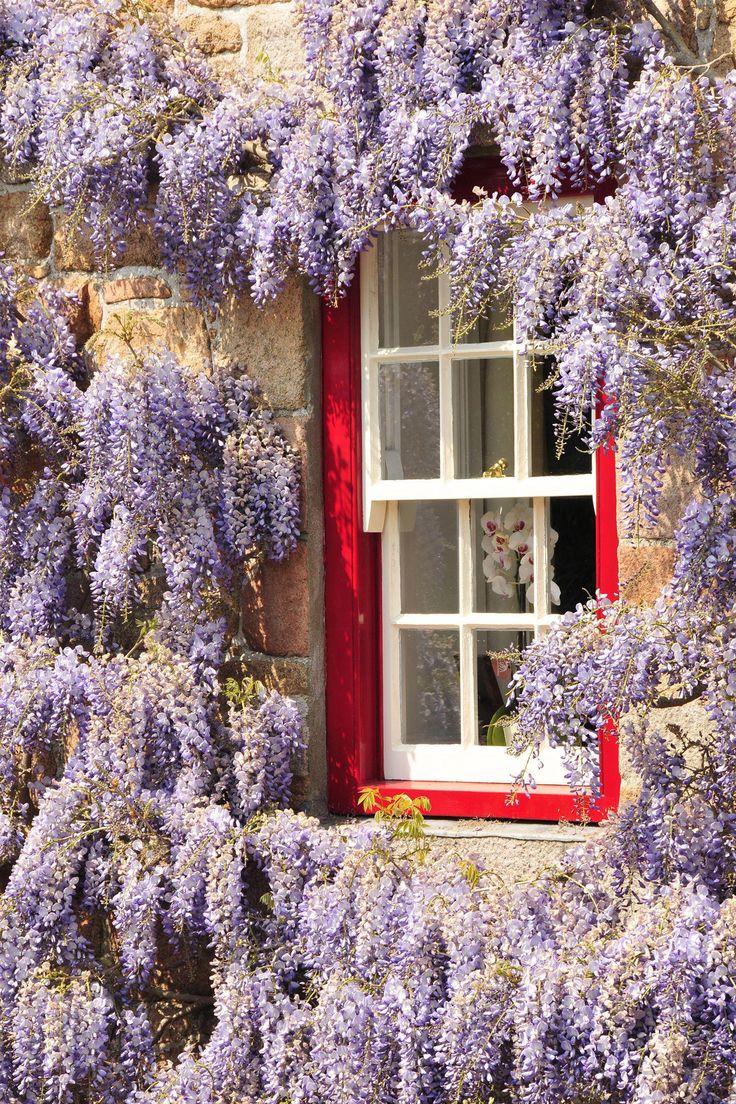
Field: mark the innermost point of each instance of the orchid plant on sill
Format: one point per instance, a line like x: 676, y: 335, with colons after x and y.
x: 508, y: 565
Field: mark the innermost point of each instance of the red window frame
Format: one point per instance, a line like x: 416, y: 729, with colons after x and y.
x: 353, y: 599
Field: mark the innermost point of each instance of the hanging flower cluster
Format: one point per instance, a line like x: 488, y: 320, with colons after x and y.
x: 376, y: 126
x: 420, y: 977
x: 144, y: 468
x: 129, y: 772
x: 133, y: 778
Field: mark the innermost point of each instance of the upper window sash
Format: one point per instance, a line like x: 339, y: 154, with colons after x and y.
x: 440, y: 362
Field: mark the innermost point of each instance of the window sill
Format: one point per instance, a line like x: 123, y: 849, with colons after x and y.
x: 436, y: 828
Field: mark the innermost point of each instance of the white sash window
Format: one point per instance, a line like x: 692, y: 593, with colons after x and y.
x: 487, y: 534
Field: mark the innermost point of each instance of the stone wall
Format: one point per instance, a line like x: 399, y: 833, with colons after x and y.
x: 708, y: 27
x: 242, y: 36
x: 646, y: 552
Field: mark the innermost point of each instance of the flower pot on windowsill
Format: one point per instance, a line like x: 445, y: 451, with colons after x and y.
x: 497, y: 732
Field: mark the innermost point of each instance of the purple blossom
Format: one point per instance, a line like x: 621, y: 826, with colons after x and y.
x: 136, y: 796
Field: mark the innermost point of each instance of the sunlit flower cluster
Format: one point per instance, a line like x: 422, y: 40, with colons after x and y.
x: 164, y: 940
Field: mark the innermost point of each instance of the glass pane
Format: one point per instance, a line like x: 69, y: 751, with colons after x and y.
x: 428, y: 553
x: 572, y: 522
x: 503, y: 560
x: 483, y: 416
x: 430, y: 686
x: 409, y: 401
x: 496, y: 653
x: 495, y: 323
x: 575, y: 459
x: 407, y: 292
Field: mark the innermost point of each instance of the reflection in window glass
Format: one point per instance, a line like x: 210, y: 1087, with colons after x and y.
x: 407, y: 293
x: 430, y: 682
x: 573, y: 557
x: 483, y: 416
x: 429, y: 563
x: 502, y: 533
x: 496, y: 653
x: 494, y: 324
x: 409, y: 401
x: 575, y: 458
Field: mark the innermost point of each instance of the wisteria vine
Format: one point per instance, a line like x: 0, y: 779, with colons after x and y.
x: 134, y: 502
x: 162, y: 937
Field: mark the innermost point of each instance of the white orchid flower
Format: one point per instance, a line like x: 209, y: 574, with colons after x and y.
x: 490, y: 522
x: 500, y: 584
x: 521, y: 541
x: 508, y: 562
x: 520, y: 517
x: 526, y: 569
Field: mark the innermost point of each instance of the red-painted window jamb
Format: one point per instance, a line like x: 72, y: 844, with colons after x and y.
x: 353, y: 606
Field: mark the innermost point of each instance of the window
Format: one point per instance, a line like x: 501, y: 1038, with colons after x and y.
x: 455, y: 534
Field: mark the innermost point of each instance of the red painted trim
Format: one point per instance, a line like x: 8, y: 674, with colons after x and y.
x: 353, y: 611
x: 475, y: 799
x: 487, y: 172
x: 608, y: 582
x: 352, y: 569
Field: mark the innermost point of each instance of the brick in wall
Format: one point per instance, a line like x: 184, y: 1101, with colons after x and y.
x: 275, y: 344
x: 136, y: 287
x: 180, y: 329
x: 220, y: 4
x: 272, y: 35
x: 73, y: 250
x: 644, y: 570
x: 212, y: 34
x: 25, y: 232
x: 84, y: 307
x: 276, y: 607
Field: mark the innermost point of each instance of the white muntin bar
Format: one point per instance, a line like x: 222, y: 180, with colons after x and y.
x: 522, y: 413
x: 373, y: 511
x: 490, y: 350
x: 537, y: 486
x: 471, y: 620
x: 468, y: 691
x: 483, y: 350
x: 541, y: 559
x: 391, y: 593
x: 447, y: 463
x: 410, y: 355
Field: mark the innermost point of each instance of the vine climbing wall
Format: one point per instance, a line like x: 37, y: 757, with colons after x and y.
x: 170, y: 930
x: 138, y: 300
